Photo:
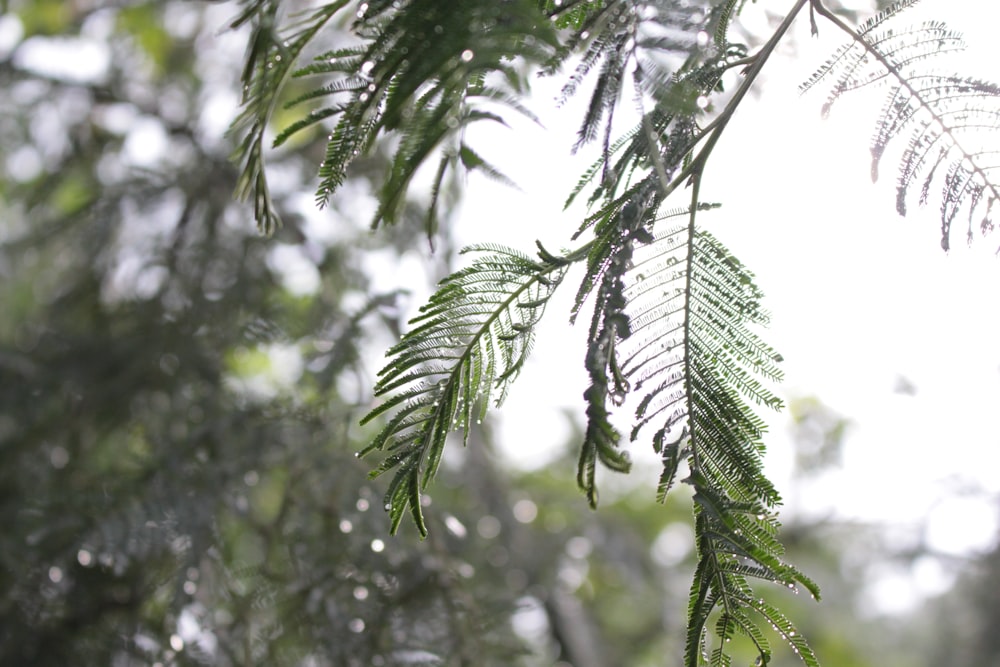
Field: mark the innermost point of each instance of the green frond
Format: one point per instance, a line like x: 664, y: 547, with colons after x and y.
x: 424, y: 70
x: 466, y: 347
x: 271, y: 56
x: 419, y: 73
x: 691, y: 354
x: 620, y: 36
x: 723, y: 15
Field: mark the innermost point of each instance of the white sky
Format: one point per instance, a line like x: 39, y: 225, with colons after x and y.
x: 859, y: 296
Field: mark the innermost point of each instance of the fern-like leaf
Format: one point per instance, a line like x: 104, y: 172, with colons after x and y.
x: 698, y: 366
x: 271, y: 55
x: 467, y: 346
x: 429, y: 71
x: 949, y: 122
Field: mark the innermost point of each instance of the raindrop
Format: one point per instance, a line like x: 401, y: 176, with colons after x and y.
x: 356, y: 626
x: 362, y: 505
x: 346, y: 526
x: 360, y: 593
x: 378, y: 545
x: 387, y: 507
x: 467, y: 55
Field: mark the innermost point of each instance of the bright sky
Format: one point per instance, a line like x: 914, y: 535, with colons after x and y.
x: 860, y: 297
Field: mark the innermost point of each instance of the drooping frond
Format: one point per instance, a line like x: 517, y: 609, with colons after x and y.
x: 698, y: 366
x: 467, y: 345
x: 272, y: 51
x: 418, y: 72
x: 724, y: 14
x: 651, y: 40
x: 425, y: 72
x: 948, y: 122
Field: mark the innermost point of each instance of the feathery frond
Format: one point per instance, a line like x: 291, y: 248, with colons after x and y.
x: 469, y: 343
x: 427, y: 70
x: 421, y: 72
x: 698, y: 366
x: 949, y: 121
x: 271, y: 55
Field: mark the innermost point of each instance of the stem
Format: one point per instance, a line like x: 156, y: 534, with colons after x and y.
x: 718, y: 125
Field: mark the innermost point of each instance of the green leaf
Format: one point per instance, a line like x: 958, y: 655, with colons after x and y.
x: 465, y: 349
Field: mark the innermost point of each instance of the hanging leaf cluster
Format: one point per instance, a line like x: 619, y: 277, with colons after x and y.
x: 467, y: 345
x: 674, y: 316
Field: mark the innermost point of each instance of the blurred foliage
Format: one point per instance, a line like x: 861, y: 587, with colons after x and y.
x: 178, y: 420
